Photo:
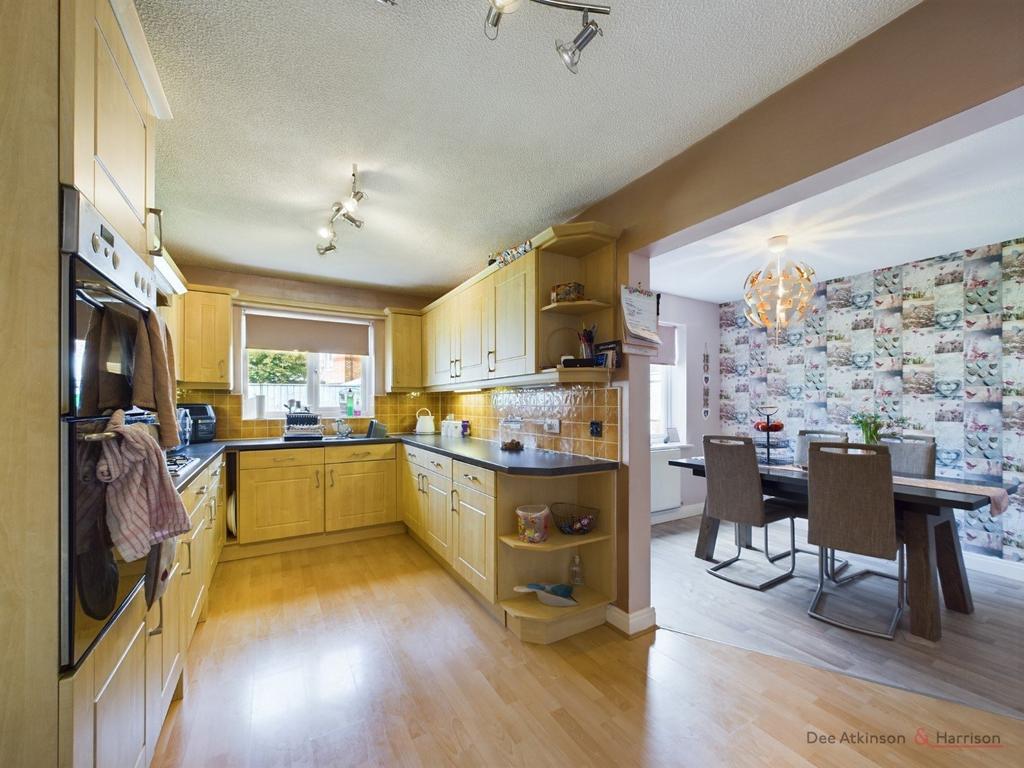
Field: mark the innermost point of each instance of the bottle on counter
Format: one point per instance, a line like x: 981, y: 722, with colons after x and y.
x: 576, y: 571
x: 350, y: 403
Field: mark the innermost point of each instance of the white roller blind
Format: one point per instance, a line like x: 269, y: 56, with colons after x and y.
x: 666, y: 354
x: 286, y: 334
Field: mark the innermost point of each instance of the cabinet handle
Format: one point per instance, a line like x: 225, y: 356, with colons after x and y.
x: 471, y: 478
x: 159, y: 627
x: 458, y: 368
x: 216, y: 472
x: 411, y: 455
x: 455, y: 501
x: 361, y: 453
x: 279, y: 460
x: 419, y: 483
x: 212, y: 506
x: 158, y: 249
x: 332, y: 478
x: 492, y: 368
x: 436, y: 464
x: 451, y: 369
x: 188, y: 545
x: 317, y: 474
x: 201, y: 491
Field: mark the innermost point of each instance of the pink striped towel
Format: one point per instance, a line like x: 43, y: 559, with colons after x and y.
x: 143, y: 508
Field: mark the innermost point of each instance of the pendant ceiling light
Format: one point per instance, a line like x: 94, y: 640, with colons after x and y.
x: 568, y: 52
x: 779, y: 293
x: 346, y: 211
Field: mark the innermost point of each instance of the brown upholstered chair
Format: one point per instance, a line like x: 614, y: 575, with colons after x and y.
x: 851, y: 508
x: 807, y: 436
x: 911, y: 454
x: 734, y: 495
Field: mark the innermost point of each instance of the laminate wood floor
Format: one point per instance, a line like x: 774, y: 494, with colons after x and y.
x: 368, y: 654
x: 979, y: 660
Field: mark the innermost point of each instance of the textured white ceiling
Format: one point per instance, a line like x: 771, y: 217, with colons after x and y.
x: 466, y: 146
x: 965, y: 194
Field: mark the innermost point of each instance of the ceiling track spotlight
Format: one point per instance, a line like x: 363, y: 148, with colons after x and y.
x: 346, y: 211
x: 569, y: 52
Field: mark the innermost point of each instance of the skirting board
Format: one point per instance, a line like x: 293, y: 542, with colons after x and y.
x: 631, y: 624
x: 667, y: 515
x: 995, y: 566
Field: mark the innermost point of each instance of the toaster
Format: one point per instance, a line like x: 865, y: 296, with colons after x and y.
x: 204, y: 421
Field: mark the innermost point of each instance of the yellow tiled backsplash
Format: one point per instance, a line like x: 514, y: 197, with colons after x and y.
x: 574, y: 406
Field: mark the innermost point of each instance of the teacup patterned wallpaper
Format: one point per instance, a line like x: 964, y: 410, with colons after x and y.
x: 939, y: 342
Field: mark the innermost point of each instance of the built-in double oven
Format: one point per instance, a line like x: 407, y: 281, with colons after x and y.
x: 106, y: 291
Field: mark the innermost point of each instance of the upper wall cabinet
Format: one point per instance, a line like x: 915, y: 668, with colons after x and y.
x: 493, y: 329
x: 403, y: 361
x: 110, y: 100
x: 206, y: 342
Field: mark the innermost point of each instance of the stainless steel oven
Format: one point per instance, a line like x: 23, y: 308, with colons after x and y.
x: 106, y: 292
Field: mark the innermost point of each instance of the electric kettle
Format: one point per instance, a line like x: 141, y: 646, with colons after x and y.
x: 425, y: 423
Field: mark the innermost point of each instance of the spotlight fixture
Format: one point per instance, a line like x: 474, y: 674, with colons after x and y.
x: 570, y: 52
x: 346, y: 211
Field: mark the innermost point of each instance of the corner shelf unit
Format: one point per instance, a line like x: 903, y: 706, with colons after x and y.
x: 548, y: 562
x: 581, y: 307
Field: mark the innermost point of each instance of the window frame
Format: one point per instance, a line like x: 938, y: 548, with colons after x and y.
x: 367, y: 368
x: 667, y: 386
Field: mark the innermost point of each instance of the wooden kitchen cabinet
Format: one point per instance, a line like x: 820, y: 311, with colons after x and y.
x: 411, y: 496
x: 470, y: 333
x: 512, y: 293
x: 206, y: 339
x: 360, y: 493
x: 277, y: 503
x: 164, y: 655
x: 403, y: 350
x: 195, y: 566
x: 438, y: 360
x: 473, y: 539
x: 437, y: 527
x: 107, y: 113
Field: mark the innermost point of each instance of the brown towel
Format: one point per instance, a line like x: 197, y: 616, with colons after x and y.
x: 153, y: 386
x: 109, y: 340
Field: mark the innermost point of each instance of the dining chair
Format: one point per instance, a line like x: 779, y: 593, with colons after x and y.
x: 851, y: 509
x: 806, y: 436
x: 734, y: 495
x: 912, y: 455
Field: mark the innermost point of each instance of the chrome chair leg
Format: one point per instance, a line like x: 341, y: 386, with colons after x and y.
x: 823, y: 570
x: 717, y: 569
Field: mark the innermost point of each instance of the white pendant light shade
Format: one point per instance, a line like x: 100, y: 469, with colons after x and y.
x: 506, y: 6
x: 781, y: 292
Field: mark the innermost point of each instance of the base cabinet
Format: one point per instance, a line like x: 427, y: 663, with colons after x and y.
x: 165, y: 638
x: 276, y: 503
x: 360, y: 493
x: 473, y: 539
x: 412, y: 500
x: 437, y: 528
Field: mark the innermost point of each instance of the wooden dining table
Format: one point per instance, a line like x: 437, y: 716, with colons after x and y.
x: 925, y: 520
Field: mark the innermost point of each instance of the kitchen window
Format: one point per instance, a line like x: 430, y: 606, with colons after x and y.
x: 323, y: 363
x: 662, y: 377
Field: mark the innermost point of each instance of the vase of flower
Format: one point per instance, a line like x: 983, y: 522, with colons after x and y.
x: 870, y: 425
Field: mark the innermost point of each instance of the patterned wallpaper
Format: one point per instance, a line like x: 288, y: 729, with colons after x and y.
x: 939, y: 342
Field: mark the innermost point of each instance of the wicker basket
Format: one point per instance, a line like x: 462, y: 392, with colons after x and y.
x: 573, y: 519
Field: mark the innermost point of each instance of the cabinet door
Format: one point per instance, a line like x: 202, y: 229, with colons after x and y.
x: 403, y: 351
x: 473, y: 539
x: 280, y: 503
x: 120, y: 706
x: 438, y: 519
x: 163, y: 654
x: 472, y: 359
x: 109, y: 147
x: 513, y: 348
x: 206, y: 337
x: 437, y: 335
x: 360, y: 493
x: 411, y: 496
x: 193, y: 574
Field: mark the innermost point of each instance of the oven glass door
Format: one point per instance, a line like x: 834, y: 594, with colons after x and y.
x: 97, y: 582
x: 99, y: 343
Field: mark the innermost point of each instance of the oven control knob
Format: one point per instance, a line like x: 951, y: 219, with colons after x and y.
x: 95, y: 242
x: 115, y: 259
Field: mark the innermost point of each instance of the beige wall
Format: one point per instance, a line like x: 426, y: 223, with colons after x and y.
x: 937, y: 60
x: 29, y: 293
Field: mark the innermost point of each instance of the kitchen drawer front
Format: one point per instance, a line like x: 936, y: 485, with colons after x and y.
x: 115, y: 643
x: 474, y: 477
x: 435, y: 462
x: 285, y: 457
x: 345, y: 453
x: 196, y: 491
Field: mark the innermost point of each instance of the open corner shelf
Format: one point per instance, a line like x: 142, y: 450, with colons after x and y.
x: 582, y: 307
x: 556, y: 540
x: 527, y: 606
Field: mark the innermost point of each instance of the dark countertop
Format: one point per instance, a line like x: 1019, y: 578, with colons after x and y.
x: 480, y: 453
